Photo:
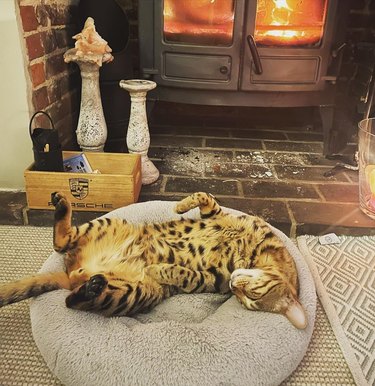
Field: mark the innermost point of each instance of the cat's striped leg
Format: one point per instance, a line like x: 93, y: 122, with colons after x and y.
x: 115, y: 297
x: 32, y: 286
x: 206, y: 202
x: 67, y: 237
x: 188, y: 280
x: 62, y: 230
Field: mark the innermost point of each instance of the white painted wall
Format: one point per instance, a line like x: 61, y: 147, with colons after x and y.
x: 15, y: 144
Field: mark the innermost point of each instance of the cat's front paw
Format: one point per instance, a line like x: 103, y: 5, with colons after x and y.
x: 153, y: 271
x: 253, y: 273
x: 180, y: 208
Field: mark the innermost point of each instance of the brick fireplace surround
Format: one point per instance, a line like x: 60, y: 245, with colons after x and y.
x: 226, y: 151
x: 47, y: 31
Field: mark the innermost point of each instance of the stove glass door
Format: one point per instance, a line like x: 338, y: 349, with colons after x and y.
x: 199, y: 22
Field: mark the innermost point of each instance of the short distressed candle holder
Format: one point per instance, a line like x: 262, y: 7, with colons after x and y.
x: 138, y: 135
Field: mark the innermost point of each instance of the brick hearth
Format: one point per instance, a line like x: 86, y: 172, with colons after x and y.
x: 272, y: 167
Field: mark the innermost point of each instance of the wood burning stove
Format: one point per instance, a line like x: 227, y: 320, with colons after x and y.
x: 268, y: 53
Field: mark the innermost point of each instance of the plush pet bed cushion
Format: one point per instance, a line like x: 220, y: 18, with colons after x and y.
x: 196, y: 339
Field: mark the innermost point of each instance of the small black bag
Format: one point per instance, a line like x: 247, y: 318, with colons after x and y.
x: 46, y: 147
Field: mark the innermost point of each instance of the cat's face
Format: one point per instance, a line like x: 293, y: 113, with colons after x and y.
x: 257, y: 289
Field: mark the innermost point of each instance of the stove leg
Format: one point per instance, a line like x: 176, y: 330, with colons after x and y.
x: 326, y: 113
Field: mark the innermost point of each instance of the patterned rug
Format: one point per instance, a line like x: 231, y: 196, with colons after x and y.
x: 23, y: 250
x: 345, y: 279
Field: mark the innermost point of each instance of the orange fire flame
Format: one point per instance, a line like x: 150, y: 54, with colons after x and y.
x: 280, y: 16
x: 289, y: 22
x: 279, y: 19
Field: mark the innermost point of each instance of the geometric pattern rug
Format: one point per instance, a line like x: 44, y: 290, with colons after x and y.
x: 344, y: 276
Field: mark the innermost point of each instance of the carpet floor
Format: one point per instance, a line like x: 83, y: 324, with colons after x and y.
x: 22, y: 252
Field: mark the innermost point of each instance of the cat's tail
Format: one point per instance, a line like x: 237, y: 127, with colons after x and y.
x: 32, y: 286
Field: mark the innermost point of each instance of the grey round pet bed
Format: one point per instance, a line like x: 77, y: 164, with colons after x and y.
x: 197, y: 339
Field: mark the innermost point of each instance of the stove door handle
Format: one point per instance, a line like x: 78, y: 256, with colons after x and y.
x: 258, y: 69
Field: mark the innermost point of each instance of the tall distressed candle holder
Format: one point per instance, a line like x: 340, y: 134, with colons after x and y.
x: 90, y: 52
x: 138, y: 135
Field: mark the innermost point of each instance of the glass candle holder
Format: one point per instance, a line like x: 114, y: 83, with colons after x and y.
x: 366, y: 158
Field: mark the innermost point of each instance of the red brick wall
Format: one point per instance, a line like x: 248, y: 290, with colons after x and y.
x: 48, y: 28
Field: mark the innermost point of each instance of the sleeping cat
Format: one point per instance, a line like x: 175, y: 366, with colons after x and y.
x: 116, y: 268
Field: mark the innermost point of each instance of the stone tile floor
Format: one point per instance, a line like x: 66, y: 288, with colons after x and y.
x: 274, y: 170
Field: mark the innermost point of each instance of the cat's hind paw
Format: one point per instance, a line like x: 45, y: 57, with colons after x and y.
x: 95, y: 286
x: 56, y: 197
x: 83, y: 296
x: 61, y: 204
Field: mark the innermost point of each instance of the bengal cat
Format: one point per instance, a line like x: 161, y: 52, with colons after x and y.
x: 117, y: 268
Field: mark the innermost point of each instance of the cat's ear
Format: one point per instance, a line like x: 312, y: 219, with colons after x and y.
x: 296, y: 315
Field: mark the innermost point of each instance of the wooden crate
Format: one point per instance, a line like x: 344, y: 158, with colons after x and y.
x: 118, y: 184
